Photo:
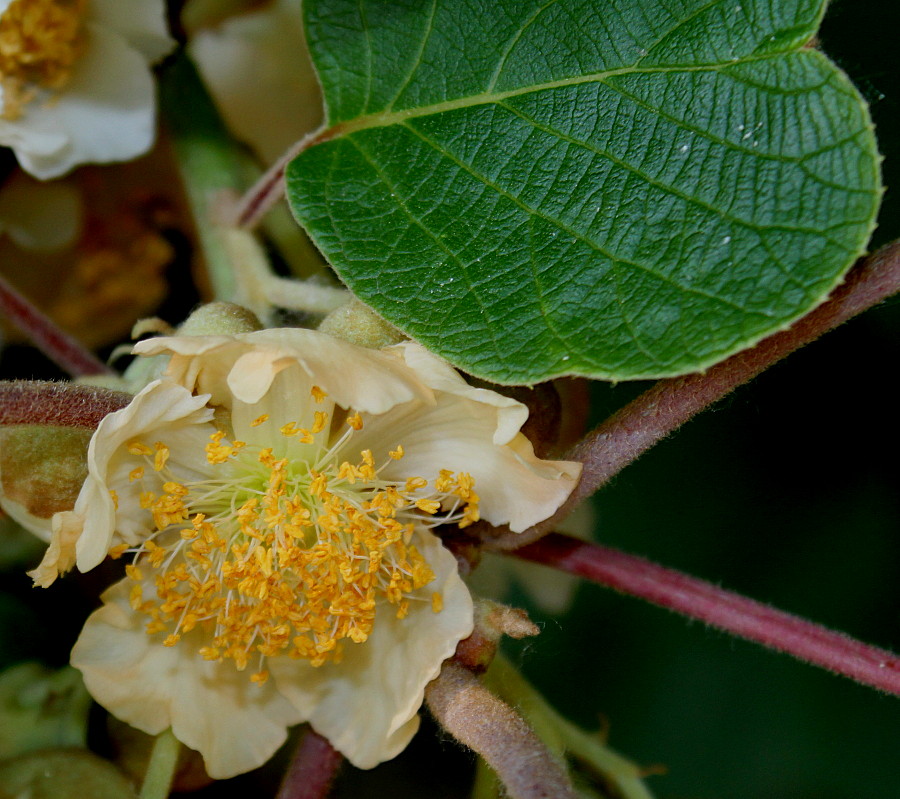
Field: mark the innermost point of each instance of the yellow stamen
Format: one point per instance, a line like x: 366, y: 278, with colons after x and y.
x: 355, y: 421
x: 161, y: 456
x: 317, y: 394
x: 40, y: 41
x: 272, y: 557
x: 259, y: 420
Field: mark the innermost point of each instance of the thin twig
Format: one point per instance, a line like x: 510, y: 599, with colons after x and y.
x: 481, y: 721
x: 656, y: 413
x: 61, y: 404
x: 61, y: 348
x: 735, y: 614
x: 312, y: 770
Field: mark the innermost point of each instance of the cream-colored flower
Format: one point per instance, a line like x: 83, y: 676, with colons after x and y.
x: 279, y: 489
x: 75, y: 83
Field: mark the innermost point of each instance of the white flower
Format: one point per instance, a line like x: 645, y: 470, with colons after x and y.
x: 75, y: 83
x: 279, y: 490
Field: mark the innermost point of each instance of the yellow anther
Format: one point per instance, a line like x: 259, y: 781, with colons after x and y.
x: 115, y: 498
x: 161, y: 456
x: 136, y: 474
x: 437, y: 602
x: 259, y: 420
x: 259, y: 677
x: 428, y: 505
x: 171, y: 640
x: 355, y: 421
x: 321, y: 419
x: 138, y: 448
x: 396, y: 454
x: 317, y: 394
x: 146, y: 499
x: 40, y: 41
x: 289, y: 429
x: 134, y: 572
x: 415, y: 483
x: 117, y: 551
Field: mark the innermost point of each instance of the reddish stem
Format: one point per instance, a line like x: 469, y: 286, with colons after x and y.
x: 735, y: 614
x: 61, y: 348
x: 312, y: 770
x: 656, y: 413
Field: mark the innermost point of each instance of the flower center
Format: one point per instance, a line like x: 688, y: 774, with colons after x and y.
x: 274, y: 557
x: 40, y: 40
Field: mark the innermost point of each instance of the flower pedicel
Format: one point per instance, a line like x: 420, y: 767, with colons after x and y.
x: 276, y: 491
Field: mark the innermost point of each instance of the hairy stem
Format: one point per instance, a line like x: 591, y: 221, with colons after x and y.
x: 61, y: 348
x: 479, y: 720
x: 735, y: 614
x: 61, y: 404
x: 312, y: 770
x: 656, y: 413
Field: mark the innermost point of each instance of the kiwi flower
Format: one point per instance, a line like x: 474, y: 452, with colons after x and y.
x: 275, y: 493
x: 75, y: 82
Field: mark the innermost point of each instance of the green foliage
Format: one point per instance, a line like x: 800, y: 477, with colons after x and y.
x: 41, y: 709
x: 618, y: 189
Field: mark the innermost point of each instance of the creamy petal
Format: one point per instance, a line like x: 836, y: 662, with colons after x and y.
x: 211, y: 707
x: 106, y: 112
x: 260, y: 75
x: 245, y: 365
x: 60, y: 555
x: 162, y: 411
x: 142, y: 23
x: 515, y: 487
x: 367, y: 705
x: 437, y: 374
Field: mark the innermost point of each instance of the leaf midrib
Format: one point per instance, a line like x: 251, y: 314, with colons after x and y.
x: 384, y: 119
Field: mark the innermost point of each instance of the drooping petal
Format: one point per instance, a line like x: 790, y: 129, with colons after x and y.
x: 246, y: 364
x: 142, y: 23
x: 474, y: 431
x: 235, y: 724
x: 163, y: 411
x: 437, y: 374
x: 367, y: 704
x: 106, y: 112
x: 260, y: 75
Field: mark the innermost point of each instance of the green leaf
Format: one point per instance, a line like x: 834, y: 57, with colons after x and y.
x: 613, y: 188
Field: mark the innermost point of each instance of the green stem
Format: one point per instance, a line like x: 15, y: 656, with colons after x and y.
x: 161, y: 768
x: 560, y: 735
x: 487, y: 783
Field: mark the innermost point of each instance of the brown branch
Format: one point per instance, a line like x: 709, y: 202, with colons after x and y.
x: 61, y: 348
x: 733, y: 613
x: 62, y: 404
x: 481, y: 721
x: 656, y: 413
x: 312, y: 770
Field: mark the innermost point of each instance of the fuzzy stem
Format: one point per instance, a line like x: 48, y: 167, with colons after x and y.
x: 161, y: 768
x: 479, y: 720
x: 312, y: 770
x: 60, y: 404
x: 61, y: 348
x: 735, y: 614
x: 656, y: 413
